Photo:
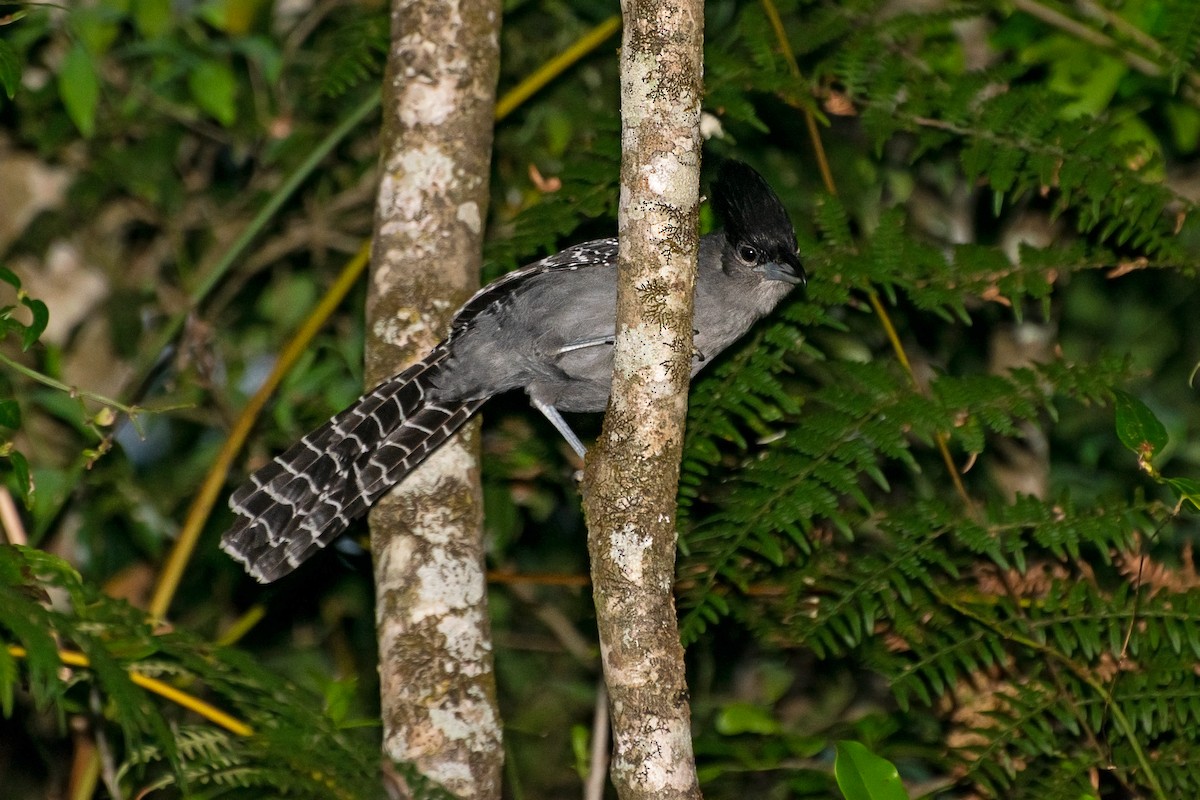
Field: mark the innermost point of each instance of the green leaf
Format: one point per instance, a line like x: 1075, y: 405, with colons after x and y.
x: 10, y: 277
x: 737, y: 718
x: 24, y: 481
x: 53, y: 488
x: 214, y: 89
x: 1185, y: 126
x: 79, y: 88
x: 152, y: 17
x: 862, y: 775
x: 264, y: 53
x: 10, y: 69
x: 29, y: 626
x: 130, y: 709
x: 1138, y: 428
x: 96, y: 27
x: 8, y: 324
x: 8, y: 680
x: 1187, y: 490
x: 63, y: 406
x: 35, y: 329
x: 10, y: 413
x: 338, y: 697
x: 581, y: 748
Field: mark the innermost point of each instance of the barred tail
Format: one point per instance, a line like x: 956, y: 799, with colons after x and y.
x: 306, y: 497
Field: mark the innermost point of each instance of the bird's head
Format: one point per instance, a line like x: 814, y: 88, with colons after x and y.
x: 758, y: 232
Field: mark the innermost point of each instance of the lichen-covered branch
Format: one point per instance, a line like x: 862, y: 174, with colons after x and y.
x: 436, y: 672
x: 633, y: 472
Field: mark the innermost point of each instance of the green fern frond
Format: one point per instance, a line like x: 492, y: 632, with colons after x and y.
x: 1180, y: 26
x: 823, y: 469
x: 351, y: 53
x: 296, y: 747
x: 588, y: 191
x: 1010, y: 136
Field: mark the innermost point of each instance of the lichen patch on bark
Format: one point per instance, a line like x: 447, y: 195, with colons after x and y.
x: 632, y: 474
x: 436, y: 673
x: 445, y: 583
x: 630, y: 547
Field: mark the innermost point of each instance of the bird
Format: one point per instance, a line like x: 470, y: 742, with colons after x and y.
x: 547, y: 328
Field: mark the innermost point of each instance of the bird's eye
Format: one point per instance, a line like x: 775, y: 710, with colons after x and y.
x: 747, y: 253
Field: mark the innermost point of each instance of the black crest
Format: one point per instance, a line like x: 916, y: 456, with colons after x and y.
x: 750, y: 208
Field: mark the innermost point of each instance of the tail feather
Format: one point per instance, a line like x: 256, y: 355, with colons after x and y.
x: 310, y: 494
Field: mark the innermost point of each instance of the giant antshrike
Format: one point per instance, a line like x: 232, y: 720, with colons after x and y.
x: 547, y: 328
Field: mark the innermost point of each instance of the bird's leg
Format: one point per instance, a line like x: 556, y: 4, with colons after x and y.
x: 583, y: 344
x: 561, y: 425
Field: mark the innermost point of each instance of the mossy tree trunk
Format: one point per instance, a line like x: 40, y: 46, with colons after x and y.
x: 437, y: 678
x: 633, y: 471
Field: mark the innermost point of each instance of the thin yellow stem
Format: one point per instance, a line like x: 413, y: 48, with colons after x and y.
x: 242, y: 625
x: 556, y: 66
x: 810, y: 119
x: 231, y: 254
x: 214, y: 481
x: 181, y: 698
x: 880, y: 310
x: 943, y: 444
x: 85, y: 771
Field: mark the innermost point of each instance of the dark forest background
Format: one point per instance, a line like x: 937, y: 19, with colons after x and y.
x: 941, y: 504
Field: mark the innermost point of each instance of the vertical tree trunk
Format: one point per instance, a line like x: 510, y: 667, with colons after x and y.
x: 633, y: 472
x: 436, y: 672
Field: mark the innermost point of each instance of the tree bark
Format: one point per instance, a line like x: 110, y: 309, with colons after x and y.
x: 633, y: 471
x: 437, y: 679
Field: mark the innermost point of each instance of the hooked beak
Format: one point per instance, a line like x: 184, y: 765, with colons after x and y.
x: 787, y: 270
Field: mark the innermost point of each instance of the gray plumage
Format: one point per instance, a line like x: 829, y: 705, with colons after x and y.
x: 547, y: 328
